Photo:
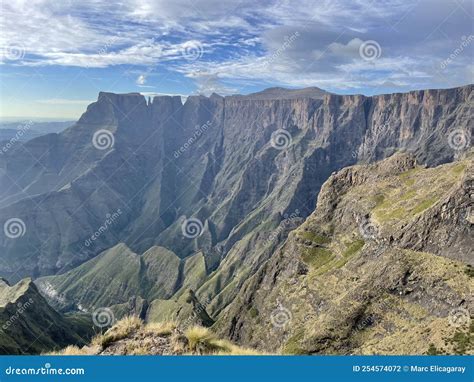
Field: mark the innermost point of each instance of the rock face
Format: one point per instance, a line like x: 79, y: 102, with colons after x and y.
x: 217, y: 182
x: 30, y: 326
x: 383, y: 265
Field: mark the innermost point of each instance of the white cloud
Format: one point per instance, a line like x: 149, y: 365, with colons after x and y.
x: 239, y: 38
x: 141, y: 80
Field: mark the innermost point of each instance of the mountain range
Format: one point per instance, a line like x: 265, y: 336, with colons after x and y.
x: 249, y: 213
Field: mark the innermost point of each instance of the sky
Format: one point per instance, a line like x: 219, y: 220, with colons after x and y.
x: 57, y: 55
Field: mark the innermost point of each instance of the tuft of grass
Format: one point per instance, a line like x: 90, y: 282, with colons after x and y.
x: 232, y: 349
x: 70, y: 350
x: 203, y: 341
x: 160, y: 328
x: 120, y: 330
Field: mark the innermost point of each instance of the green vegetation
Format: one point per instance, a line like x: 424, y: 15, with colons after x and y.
x: 409, y: 177
x: 323, y: 259
x: 292, y: 346
x: 28, y: 325
x: 353, y: 248
x: 418, y: 190
x: 379, y: 199
x: 459, y: 168
x: 408, y: 195
x: 463, y: 342
x: 432, y: 350
x: 424, y: 205
x: 314, y: 237
x: 253, y: 312
x: 116, y: 275
x: 317, y: 257
x: 469, y: 270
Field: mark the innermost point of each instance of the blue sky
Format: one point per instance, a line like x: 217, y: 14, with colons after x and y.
x: 57, y: 55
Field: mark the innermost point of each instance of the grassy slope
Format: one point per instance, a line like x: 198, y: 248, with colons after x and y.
x: 115, y: 276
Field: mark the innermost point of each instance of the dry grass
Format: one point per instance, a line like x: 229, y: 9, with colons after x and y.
x: 139, y: 339
x: 75, y: 350
x: 160, y: 328
x: 120, y: 330
x: 203, y: 341
x: 69, y: 350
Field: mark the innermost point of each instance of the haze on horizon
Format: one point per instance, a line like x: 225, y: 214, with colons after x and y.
x: 56, y: 56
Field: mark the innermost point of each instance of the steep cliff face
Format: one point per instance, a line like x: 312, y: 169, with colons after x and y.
x: 30, y: 326
x: 383, y: 265
x: 248, y: 168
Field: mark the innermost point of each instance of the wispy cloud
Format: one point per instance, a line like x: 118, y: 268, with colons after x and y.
x: 238, y: 42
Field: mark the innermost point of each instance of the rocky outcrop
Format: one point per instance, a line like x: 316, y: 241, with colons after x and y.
x: 370, y: 270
